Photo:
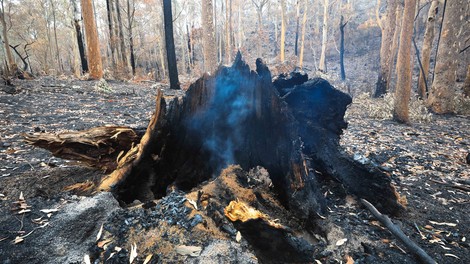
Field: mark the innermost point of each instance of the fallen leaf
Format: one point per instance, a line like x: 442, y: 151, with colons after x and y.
x: 341, y: 242
x: 193, y: 203
x: 47, y: 211
x: 238, y: 237
x: 451, y: 255
x: 117, y: 249
x: 86, y: 259
x: 21, y: 196
x: 98, y: 236
x: 133, y: 253
x: 103, y: 243
x: 23, y: 211
x: 111, y: 255
x: 349, y: 260
x: 148, y: 258
x: 18, y: 240
x: 443, y: 223
x: 317, y: 261
x: 192, y: 251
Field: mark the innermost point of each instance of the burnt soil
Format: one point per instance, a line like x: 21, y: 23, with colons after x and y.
x: 427, y: 163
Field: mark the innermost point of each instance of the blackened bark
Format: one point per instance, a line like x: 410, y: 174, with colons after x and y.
x: 341, y: 48
x: 170, y: 45
x: 130, y: 19
x: 112, y: 37
x: 81, y: 47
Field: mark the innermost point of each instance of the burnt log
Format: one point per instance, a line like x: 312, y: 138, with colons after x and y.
x: 237, y: 116
x: 99, y: 147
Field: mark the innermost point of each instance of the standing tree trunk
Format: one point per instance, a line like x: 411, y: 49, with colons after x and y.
x: 259, y: 5
x: 386, y: 57
x: 443, y: 87
x: 297, y: 24
x: 112, y: 37
x: 283, y: 30
x: 302, y: 42
x: 92, y: 40
x: 54, y: 23
x: 403, y: 87
x: 228, y: 22
x: 396, y: 38
x: 324, y: 42
x: 466, y: 86
x: 130, y: 24
x: 208, y: 38
x: 122, y: 44
x: 11, y: 61
x: 170, y: 45
x: 341, y: 48
x: 78, y: 32
x: 427, y: 47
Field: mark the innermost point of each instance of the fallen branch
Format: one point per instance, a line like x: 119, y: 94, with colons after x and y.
x: 396, y: 231
x: 452, y: 185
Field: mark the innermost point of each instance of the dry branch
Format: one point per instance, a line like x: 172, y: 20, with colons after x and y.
x: 396, y: 231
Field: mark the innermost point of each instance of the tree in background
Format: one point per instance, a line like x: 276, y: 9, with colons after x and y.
x: 441, y: 97
x: 92, y: 41
x: 11, y: 65
x: 324, y: 42
x: 208, y: 38
x: 78, y: 33
x: 302, y: 41
x: 404, y: 73
x: 170, y: 45
x: 283, y: 31
x: 426, y: 51
x: 386, y: 52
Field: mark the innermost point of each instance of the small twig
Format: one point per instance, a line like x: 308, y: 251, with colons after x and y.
x: 452, y: 185
x: 396, y: 231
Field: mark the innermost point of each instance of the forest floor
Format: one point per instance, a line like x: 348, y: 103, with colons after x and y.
x: 427, y: 163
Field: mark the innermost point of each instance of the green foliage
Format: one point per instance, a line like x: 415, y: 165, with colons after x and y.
x: 103, y: 87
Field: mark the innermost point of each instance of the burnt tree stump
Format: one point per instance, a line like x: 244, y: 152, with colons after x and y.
x: 238, y: 116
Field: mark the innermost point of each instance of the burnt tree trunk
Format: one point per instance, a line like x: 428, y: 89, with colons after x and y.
x: 341, y: 47
x: 170, y: 45
x: 237, y: 116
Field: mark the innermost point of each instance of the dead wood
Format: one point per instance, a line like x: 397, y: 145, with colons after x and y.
x: 396, y: 231
x: 98, y: 147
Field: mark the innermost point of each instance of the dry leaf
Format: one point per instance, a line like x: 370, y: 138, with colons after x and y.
x: 103, y: 243
x: 98, y: 236
x: 111, y: 255
x: 349, y: 260
x: 18, y: 240
x: 23, y: 211
x: 21, y: 196
x: 148, y: 258
x: 193, y: 203
x: 192, y: 251
x: 117, y: 249
x: 238, y: 237
x: 341, y: 242
x: 386, y: 241
x: 3, y: 238
x: 86, y: 259
x: 49, y: 215
x: 451, y: 255
x: 443, y: 223
x: 317, y: 261
x: 133, y: 253
x: 47, y: 211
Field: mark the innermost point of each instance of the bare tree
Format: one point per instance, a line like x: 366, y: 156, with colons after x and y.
x: 426, y: 51
x: 283, y: 30
x: 324, y: 42
x: 208, y: 38
x: 403, y: 86
x: 442, y: 92
x: 342, y: 25
x: 10, y: 59
x: 130, y: 25
x: 112, y: 37
x: 92, y: 41
x: 386, y: 57
x: 228, y: 30
x: 170, y: 45
x: 302, y: 42
x: 78, y: 33
x: 259, y: 6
